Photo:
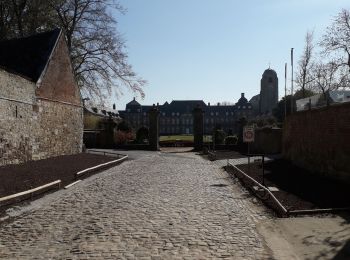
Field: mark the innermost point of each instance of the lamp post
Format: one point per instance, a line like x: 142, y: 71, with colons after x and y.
x: 291, y: 96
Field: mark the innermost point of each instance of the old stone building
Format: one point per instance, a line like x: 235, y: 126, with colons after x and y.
x: 99, y: 124
x: 41, y: 112
x: 176, y: 117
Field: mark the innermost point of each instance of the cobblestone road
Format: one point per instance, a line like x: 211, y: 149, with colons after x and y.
x: 157, y: 206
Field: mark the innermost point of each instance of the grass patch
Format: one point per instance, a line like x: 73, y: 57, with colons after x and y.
x: 184, y: 138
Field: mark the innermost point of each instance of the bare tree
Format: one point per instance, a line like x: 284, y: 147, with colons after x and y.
x: 19, y: 18
x: 97, y: 50
x: 227, y: 103
x: 304, y: 77
x: 326, y: 78
x: 336, y: 40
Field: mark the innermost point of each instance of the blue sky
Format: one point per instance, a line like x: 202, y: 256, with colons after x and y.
x: 215, y: 49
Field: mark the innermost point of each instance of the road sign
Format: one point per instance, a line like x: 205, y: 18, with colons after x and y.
x: 248, y: 134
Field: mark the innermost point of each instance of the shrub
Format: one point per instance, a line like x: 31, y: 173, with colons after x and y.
x: 121, y: 137
x: 231, y: 139
x: 141, y: 134
x: 219, y: 136
x: 124, y: 126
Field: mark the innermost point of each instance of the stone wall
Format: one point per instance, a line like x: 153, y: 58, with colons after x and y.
x: 58, y: 81
x: 319, y: 140
x: 18, y: 121
x: 41, y: 120
x: 60, y: 129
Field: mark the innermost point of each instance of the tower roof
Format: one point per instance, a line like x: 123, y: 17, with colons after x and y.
x: 269, y: 72
x: 133, y: 103
x: 242, y: 100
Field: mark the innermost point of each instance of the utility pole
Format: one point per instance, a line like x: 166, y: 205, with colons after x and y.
x: 291, y: 97
x: 285, y: 90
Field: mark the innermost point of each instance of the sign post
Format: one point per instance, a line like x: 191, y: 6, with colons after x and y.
x: 248, y: 137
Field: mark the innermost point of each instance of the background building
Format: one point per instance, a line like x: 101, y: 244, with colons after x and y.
x: 176, y: 117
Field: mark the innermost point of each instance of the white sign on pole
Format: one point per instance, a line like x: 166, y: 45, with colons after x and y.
x: 248, y: 134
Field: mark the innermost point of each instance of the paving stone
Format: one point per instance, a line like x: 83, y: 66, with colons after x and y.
x: 157, y: 206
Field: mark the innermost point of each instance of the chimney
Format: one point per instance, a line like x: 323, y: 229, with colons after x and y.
x: 242, y: 94
x: 218, y: 104
x: 208, y: 104
x: 113, y: 106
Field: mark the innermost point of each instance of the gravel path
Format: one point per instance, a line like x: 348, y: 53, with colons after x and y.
x: 157, y: 206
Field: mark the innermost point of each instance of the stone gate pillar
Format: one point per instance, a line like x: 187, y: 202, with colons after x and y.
x: 108, y: 134
x: 198, y: 129
x: 153, y: 137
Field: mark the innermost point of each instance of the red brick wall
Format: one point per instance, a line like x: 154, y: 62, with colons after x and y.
x: 319, y: 140
x: 58, y: 82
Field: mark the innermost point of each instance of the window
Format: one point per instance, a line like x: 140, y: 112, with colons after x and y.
x: 217, y: 113
x: 211, y: 113
x: 177, y: 113
x: 227, y: 113
x: 163, y: 114
x: 172, y: 113
x: 243, y: 107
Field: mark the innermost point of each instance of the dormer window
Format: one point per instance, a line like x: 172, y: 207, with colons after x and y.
x: 104, y: 111
x: 94, y: 109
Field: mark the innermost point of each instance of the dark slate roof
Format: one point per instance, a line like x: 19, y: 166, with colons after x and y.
x: 269, y: 72
x: 242, y: 100
x: 187, y: 106
x: 220, y: 109
x: 183, y: 106
x: 28, y: 56
x: 133, y: 103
